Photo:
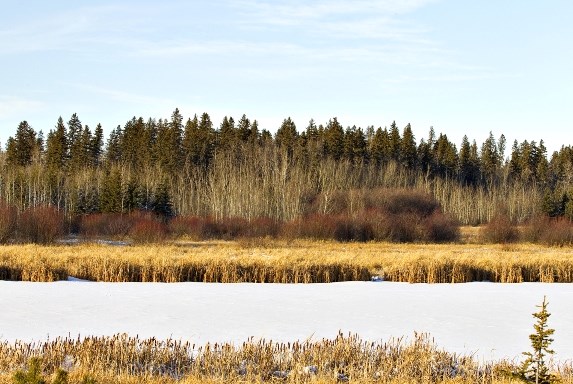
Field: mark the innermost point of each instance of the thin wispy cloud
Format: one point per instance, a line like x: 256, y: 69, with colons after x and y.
x: 217, y: 47
x: 364, y: 31
x: 122, y: 96
x: 80, y: 29
x: 288, y: 12
x: 14, y: 106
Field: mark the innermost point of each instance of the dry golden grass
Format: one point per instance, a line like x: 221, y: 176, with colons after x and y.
x: 123, y: 359
x: 264, y: 260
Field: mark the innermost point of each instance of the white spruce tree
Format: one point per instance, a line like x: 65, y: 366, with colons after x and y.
x: 534, y: 369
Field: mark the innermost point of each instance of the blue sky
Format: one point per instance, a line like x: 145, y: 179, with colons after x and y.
x: 463, y: 67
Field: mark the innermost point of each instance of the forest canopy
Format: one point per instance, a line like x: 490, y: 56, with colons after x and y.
x: 234, y: 169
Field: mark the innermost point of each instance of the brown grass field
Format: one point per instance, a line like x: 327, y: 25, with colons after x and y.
x: 123, y: 359
x: 298, y: 261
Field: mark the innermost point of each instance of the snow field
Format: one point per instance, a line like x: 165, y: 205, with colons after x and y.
x: 487, y: 320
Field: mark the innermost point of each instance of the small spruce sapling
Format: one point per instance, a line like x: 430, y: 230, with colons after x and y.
x: 534, y: 369
x: 34, y: 374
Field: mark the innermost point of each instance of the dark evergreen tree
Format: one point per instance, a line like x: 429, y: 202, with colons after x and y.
x: 96, y: 147
x: 150, y: 138
x: 534, y: 369
x: 408, y: 152
x: 542, y: 165
x: 74, y: 139
x: 313, y: 147
x: 173, y: 145
x: 227, y: 135
x: 189, y: 138
x: 87, y: 201
x: 254, y: 134
x: 199, y: 141
x: 287, y: 136
x: 244, y: 129
x: 134, y: 144
x: 425, y: 158
x: 40, y: 149
x: 20, y: 150
x: 554, y: 202
x: 490, y: 159
x: 468, y: 163
x: 133, y: 197
x: 111, y: 195
x: 355, y: 144
x: 57, y: 147
x: 161, y: 204
x: 84, y: 156
x: 161, y: 146
x: 446, y: 156
x: 515, y: 161
x: 334, y: 139
x: 114, y: 147
x: 394, y: 142
x: 381, y: 150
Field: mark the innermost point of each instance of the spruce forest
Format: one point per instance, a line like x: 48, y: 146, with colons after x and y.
x: 196, y: 168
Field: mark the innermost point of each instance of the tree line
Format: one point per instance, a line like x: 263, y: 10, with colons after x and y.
x: 175, y: 166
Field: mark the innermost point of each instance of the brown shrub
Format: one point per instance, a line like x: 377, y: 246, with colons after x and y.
x: 500, y: 230
x: 440, y: 228
x: 320, y: 227
x: 353, y: 229
x: 402, y: 228
x: 535, y: 228
x: 40, y: 225
x: 262, y: 227
x: 402, y: 201
x: 8, y: 222
x: 115, y: 225
x: 190, y: 226
x: 549, y: 231
x: 148, y: 229
x: 558, y: 232
x: 231, y: 228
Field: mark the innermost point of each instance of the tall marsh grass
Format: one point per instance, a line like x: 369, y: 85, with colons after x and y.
x: 289, y: 262
x: 345, y: 358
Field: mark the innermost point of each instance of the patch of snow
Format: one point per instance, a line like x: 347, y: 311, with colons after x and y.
x: 487, y: 320
x: 75, y: 279
x: 117, y: 243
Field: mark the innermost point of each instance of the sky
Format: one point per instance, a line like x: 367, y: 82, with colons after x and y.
x: 463, y: 67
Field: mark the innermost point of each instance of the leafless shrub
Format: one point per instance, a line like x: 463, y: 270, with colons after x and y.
x: 440, y: 228
x: 500, y: 230
x: 8, y: 222
x: 41, y: 225
x: 148, y: 229
x: 114, y: 225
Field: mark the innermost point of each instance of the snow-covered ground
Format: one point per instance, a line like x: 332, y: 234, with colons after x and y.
x: 486, y: 319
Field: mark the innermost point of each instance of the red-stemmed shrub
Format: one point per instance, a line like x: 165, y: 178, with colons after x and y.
x: 440, y: 228
x: 187, y: 226
x: 147, y: 229
x: 8, y: 222
x: 262, y: 227
x: 40, y: 225
x: 559, y: 232
x: 353, y: 229
x: 500, y: 230
x: 320, y: 227
x: 106, y: 225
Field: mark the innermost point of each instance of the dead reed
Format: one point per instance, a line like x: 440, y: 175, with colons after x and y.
x: 273, y: 261
x: 122, y: 358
